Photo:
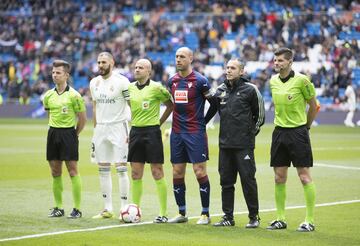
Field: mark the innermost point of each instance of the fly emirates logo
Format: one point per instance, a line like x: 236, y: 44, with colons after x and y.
x: 181, y: 96
x: 105, y: 100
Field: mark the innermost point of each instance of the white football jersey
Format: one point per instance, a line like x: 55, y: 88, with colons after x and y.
x: 111, y: 96
x: 351, y: 97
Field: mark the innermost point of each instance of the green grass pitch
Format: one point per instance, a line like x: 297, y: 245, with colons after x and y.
x: 25, y: 195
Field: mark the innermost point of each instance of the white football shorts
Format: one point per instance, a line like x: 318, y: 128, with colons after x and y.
x: 110, y: 143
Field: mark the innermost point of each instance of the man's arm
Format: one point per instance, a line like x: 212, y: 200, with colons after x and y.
x: 212, y: 109
x: 258, y: 110
x: 311, y: 114
x: 94, y: 113
x: 81, y: 122
x: 169, y: 108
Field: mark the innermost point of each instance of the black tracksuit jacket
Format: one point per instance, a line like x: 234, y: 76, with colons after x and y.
x: 241, y: 109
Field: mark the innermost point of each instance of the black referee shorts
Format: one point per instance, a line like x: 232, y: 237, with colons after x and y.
x: 291, y: 145
x: 62, y: 144
x: 145, y: 145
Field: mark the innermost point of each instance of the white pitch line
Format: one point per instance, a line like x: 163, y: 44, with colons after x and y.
x: 334, y: 148
x: 336, y: 166
x: 150, y: 222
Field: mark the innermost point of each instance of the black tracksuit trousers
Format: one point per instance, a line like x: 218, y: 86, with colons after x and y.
x: 231, y: 162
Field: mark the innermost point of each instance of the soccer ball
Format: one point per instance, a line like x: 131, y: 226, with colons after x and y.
x: 131, y: 213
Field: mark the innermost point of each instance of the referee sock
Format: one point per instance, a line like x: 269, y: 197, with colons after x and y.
x: 76, y: 190
x: 204, y: 188
x: 106, y: 186
x: 123, y: 184
x: 280, y: 197
x: 57, y: 191
x: 179, y: 193
x: 137, y: 189
x: 162, y: 194
x: 309, y: 192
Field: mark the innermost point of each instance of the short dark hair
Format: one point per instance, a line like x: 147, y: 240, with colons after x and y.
x: 62, y: 63
x: 288, y: 53
x: 241, y: 63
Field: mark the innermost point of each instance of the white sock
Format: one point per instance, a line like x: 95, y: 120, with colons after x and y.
x: 350, y: 116
x: 123, y: 184
x: 106, y: 186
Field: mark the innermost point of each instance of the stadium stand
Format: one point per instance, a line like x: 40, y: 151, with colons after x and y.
x: 324, y: 34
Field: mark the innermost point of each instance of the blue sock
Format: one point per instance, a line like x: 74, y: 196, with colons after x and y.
x: 204, y: 187
x: 179, y: 193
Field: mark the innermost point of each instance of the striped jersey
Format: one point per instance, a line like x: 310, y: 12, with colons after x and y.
x: 189, y: 95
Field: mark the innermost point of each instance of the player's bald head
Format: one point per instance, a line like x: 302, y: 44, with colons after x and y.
x: 145, y: 63
x: 142, y: 70
x: 185, y: 50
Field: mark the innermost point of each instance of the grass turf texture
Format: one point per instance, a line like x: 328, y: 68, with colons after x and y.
x: 25, y: 194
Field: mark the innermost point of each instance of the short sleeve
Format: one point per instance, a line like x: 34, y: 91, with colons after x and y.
x: 308, y: 89
x: 92, y: 82
x: 163, y: 94
x: 78, y: 103
x: 125, y: 89
x: 46, y: 101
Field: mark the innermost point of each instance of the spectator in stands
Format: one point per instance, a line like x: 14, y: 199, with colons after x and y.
x: 80, y: 28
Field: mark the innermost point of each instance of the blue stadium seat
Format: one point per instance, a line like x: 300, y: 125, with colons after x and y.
x: 313, y: 29
x: 341, y: 92
x: 81, y: 82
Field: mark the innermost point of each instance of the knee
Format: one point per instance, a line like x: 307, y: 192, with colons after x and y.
x: 227, y: 186
x: 305, y: 179
x: 178, y: 173
x: 280, y: 179
x: 73, y: 173
x: 157, y: 173
x: 136, y: 174
x: 200, y: 172
x: 56, y: 173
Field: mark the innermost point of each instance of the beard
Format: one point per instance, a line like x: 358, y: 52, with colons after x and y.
x: 104, y: 71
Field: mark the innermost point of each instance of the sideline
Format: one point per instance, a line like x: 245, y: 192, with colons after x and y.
x: 150, y: 222
x: 336, y: 166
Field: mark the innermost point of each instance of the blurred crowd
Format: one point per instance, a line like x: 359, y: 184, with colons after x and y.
x: 33, y: 33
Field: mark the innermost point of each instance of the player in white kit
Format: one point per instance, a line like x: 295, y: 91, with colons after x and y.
x: 110, y: 97
x: 350, y: 105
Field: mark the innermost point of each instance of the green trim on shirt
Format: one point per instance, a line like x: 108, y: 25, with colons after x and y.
x: 290, y: 99
x: 63, y: 107
x: 145, y: 103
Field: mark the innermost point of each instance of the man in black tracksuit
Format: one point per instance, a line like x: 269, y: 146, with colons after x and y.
x: 241, y: 110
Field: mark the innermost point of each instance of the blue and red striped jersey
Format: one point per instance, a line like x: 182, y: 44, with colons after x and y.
x: 189, y: 100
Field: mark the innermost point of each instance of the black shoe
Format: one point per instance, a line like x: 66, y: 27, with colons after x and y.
x: 75, y: 213
x: 56, y: 212
x: 225, y: 221
x: 277, y: 225
x: 306, y: 227
x: 253, y: 222
x: 160, y: 219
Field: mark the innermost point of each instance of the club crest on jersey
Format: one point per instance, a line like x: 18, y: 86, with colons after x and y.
x: 145, y: 105
x: 112, y: 88
x: 64, y: 110
x: 181, y: 96
x: 190, y: 84
x: 290, y: 97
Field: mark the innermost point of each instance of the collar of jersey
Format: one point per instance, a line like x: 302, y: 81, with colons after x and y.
x: 66, y: 89
x: 291, y: 74
x: 142, y: 86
